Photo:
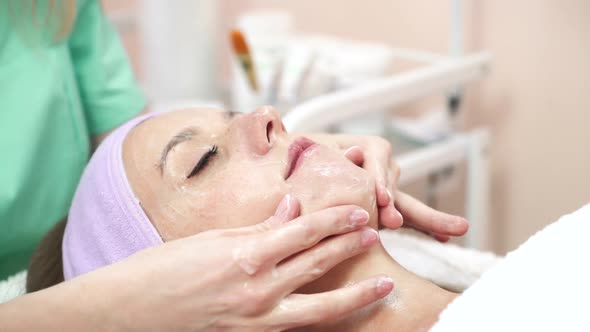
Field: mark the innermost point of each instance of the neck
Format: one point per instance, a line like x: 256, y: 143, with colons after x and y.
x: 413, y: 305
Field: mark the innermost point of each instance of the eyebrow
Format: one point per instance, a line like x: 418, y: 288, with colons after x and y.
x: 182, y: 136
x: 231, y: 114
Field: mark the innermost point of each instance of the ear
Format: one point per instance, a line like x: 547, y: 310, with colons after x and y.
x: 46, y: 269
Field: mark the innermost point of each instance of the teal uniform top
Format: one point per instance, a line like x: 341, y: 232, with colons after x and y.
x: 54, y: 96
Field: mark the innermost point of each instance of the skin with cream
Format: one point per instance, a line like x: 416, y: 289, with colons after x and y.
x: 196, y: 170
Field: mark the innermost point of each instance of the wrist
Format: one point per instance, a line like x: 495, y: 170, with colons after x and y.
x: 107, y: 297
x: 64, y: 307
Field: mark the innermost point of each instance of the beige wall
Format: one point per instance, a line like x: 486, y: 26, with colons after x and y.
x: 538, y: 103
x: 536, y: 100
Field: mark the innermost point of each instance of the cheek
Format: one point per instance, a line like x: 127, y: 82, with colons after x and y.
x: 323, y: 183
x: 247, y: 196
x: 182, y: 211
x: 229, y: 198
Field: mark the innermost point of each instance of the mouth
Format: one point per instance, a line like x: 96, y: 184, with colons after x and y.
x: 296, y: 150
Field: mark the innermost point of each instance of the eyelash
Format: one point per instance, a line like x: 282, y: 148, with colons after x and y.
x: 203, y: 161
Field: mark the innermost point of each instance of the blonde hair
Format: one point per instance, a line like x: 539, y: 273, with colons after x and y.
x: 50, y: 20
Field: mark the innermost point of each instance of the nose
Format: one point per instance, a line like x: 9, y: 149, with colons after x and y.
x: 261, y: 129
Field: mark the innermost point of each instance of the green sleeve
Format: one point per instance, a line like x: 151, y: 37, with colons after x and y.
x: 109, y: 92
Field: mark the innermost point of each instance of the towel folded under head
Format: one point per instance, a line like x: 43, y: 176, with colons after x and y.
x: 448, y: 265
x: 544, y: 285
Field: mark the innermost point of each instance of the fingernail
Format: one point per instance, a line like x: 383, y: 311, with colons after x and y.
x: 460, y: 221
x: 350, y: 149
x: 283, y: 206
x: 359, y: 217
x: 384, y: 285
x: 383, y: 195
x: 369, y: 237
x: 400, y: 216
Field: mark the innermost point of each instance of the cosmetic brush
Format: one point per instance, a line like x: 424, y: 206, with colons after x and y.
x: 244, y: 57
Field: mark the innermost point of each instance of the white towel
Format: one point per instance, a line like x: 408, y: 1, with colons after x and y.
x: 13, y: 286
x: 447, y: 265
x: 544, y: 285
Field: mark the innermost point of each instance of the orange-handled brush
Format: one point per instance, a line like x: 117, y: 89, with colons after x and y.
x: 243, y: 54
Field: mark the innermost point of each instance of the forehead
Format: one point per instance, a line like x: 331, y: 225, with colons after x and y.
x: 156, y: 132
x: 144, y: 143
x: 174, y: 121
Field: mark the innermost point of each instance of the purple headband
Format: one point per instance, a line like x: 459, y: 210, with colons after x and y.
x: 106, y: 222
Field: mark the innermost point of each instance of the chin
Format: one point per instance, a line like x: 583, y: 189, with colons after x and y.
x: 340, y: 186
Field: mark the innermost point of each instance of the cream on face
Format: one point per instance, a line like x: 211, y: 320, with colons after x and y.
x: 242, y: 182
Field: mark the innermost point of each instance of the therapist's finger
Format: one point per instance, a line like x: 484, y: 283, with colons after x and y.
x: 382, y: 193
x: 356, y: 155
x: 288, y: 209
x: 306, y: 309
x: 423, y: 217
x: 438, y: 237
x: 441, y: 238
x: 389, y: 217
x: 306, y: 231
x: 313, y: 263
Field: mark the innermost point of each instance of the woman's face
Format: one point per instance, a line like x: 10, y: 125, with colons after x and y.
x: 195, y: 170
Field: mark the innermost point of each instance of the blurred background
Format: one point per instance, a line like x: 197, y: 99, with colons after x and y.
x: 534, y: 100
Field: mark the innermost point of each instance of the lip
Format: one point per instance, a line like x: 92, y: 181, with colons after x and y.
x: 296, y: 150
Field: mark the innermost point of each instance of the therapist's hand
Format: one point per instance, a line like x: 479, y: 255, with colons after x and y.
x: 243, y: 279
x: 232, y: 280
x: 374, y: 154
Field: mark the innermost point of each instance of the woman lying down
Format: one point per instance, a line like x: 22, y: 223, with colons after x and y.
x: 222, y: 171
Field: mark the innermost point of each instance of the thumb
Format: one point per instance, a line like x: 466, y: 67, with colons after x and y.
x: 356, y: 155
x: 288, y: 209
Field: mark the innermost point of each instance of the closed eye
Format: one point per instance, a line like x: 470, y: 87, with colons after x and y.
x: 202, y: 163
